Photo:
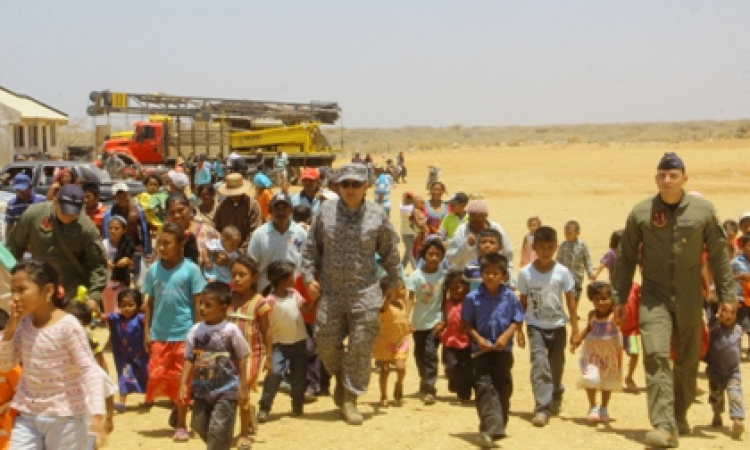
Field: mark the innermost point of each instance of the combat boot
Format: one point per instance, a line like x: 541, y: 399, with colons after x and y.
x: 659, y: 438
x: 338, y: 391
x: 349, y: 410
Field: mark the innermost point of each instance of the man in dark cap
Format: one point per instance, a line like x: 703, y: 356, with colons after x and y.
x: 673, y: 229
x: 57, y: 232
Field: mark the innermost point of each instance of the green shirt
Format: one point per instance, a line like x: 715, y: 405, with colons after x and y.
x: 34, y: 231
x: 450, y: 224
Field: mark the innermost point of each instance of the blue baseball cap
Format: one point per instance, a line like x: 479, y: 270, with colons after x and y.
x: 70, y: 199
x: 21, y: 182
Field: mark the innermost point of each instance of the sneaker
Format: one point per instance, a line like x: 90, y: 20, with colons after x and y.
x: 181, y: 435
x: 717, y: 422
x: 285, y: 387
x: 738, y: 429
x: 485, y: 440
x: 593, y: 414
x: 603, y: 415
x: 540, y: 419
x: 661, y: 439
x: 262, y: 416
x: 310, y: 397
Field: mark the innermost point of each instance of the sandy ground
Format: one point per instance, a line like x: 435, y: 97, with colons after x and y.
x: 596, y: 185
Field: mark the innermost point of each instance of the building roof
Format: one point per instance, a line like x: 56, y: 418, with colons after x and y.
x: 30, y: 108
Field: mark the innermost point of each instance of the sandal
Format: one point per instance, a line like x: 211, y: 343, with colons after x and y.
x: 120, y: 407
x: 384, y: 402
x: 245, y: 442
x: 181, y: 435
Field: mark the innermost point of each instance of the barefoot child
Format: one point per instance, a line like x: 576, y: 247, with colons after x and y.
x: 172, y: 287
x: 126, y: 329
x: 723, y: 369
x: 601, y: 357
x: 48, y: 341
x: 426, y: 304
x: 214, y: 371
x: 527, y: 246
x: 457, y: 361
x: 492, y: 315
x: 244, y: 312
x: 391, y: 346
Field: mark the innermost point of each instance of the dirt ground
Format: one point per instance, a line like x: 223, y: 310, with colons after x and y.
x: 596, y: 185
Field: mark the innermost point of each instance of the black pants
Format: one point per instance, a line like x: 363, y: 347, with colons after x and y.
x: 425, y: 354
x: 494, y: 385
x: 214, y: 423
x: 292, y: 357
x: 459, y: 369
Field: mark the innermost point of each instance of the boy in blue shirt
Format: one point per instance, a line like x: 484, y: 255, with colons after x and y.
x: 492, y: 314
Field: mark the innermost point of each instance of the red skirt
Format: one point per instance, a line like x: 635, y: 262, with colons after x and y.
x: 165, y: 371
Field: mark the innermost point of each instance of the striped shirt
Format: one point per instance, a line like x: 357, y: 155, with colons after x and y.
x: 576, y: 257
x: 60, y: 374
x: 16, y: 207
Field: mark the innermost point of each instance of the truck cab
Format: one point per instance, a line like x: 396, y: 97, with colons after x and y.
x: 145, y: 146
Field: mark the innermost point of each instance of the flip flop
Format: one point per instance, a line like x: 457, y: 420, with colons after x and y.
x: 120, y: 407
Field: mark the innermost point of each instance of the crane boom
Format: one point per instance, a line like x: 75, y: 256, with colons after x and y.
x: 205, y: 108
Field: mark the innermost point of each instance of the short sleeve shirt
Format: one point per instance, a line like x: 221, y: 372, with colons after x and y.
x: 16, y: 208
x: 740, y: 265
x: 428, y: 302
x: 545, y: 295
x: 173, y: 292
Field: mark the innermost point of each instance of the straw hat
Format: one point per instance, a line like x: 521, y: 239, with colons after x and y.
x: 234, y: 184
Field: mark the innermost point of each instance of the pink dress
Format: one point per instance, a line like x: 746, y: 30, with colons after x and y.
x: 601, y: 357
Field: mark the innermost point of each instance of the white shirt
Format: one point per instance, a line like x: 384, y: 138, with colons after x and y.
x: 406, y: 229
x: 285, y: 320
x: 546, y: 295
x: 461, y: 253
x: 268, y: 245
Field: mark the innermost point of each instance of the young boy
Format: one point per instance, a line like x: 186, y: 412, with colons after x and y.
x: 213, y: 350
x: 544, y: 286
x: 723, y: 369
x: 489, y: 241
x: 574, y: 254
x: 221, y: 253
x: 491, y: 315
x: 457, y: 216
x: 741, y: 270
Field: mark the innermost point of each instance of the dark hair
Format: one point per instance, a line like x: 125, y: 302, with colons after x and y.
x: 598, y: 287
x: 279, y: 271
x: 92, y: 188
x: 452, y: 275
x: 190, y: 249
x: 302, y: 213
x: 614, y: 239
x: 744, y: 239
x: 491, y: 232
x: 205, y: 188
x: 220, y: 291
x: 545, y: 234
x: 574, y: 224
x: 248, y: 262
x: 442, y: 185
x: 494, y: 260
x: 43, y: 273
x: 384, y: 284
x: 177, y: 197
x: 533, y: 219
x: 152, y: 177
x: 133, y: 293
x: 81, y: 311
x: 429, y: 243
x: 731, y: 225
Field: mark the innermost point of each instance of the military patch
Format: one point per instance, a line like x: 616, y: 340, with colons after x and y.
x: 659, y: 219
x: 46, y: 224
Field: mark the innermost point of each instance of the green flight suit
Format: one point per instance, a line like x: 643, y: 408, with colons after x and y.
x: 673, y: 242
x: 34, y: 232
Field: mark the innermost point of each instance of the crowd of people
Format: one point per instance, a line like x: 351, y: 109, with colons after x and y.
x: 220, y: 291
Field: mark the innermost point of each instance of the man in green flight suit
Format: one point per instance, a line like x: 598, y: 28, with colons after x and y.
x: 48, y: 229
x: 672, y: 230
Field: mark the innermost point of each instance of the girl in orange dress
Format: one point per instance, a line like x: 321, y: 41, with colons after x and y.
x: 391, y: 346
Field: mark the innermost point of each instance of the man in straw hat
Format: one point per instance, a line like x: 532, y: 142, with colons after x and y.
x: 340, y: 251
x: 238, y: 208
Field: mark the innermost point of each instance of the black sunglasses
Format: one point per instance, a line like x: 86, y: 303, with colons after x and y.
x: 346, y: 184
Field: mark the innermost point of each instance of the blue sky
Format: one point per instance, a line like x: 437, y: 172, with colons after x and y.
x: 394, y: 63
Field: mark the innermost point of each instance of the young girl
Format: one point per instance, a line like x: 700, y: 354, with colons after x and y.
x: 244, y: 311
x: 426, y: 301
x: 126, y: 337
x: 285, y: 338
x: 152, y: 211
x: 610, y: 257
x: 8, y: 388
x: 391, y: 346
x: 120, y: 250
x: 601, y: 357
x: 173, y: 285
x: 48, y: 342
x: 456, y: 345
x: 527, y: 251
x: 436, y: 209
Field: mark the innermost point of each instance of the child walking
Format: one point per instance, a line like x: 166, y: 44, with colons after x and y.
x: 8, y: 388
x: 601, y: 357
x: 545, y: 286
x: 492, y: 315
x: 391, y: 346
x: 120, y: 250
x: 574, y: 254
x: 457, y: 361
x: 126, y: 331
x: 631, y: 334
x: 488, y: 241
x: 285, y: 339
x: 610, y: 257
x: 723, y: 369
x: 172, y: 287
x: 244, y: 311
x: 215, y: 363
x: 47, y: 342
x: 426, y: 304
x: 527, y: 246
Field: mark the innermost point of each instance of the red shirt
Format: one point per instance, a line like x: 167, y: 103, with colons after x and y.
x: 453, y: 337
x: 97, y: 216
x: 629, y: 326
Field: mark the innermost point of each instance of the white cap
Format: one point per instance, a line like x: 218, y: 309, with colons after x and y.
x: 180, y: 180
x: 120, y: 187
x: 744, y: 216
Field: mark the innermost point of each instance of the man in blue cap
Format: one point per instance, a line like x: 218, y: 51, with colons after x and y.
x: 25, y: 197
x: 58, y: 233
x: 673, y: 229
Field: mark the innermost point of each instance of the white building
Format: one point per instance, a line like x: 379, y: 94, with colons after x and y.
x: 27, y: 126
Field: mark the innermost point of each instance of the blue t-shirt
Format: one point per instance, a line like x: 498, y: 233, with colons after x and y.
x: 428, y: 301
x: 173, y: 292
x: 16, y: 208
x: 546, y: 295
x: 492, y: 315
x: 383, y: 187
x: 203, y: 175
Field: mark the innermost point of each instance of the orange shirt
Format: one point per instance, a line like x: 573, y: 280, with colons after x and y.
x: 264, y: 200
x: 8, y: 386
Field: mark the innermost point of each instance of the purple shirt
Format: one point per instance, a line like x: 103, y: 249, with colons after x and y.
x: 608, y: 260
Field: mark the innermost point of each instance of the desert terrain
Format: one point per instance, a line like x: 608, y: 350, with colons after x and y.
x: 593, y: 183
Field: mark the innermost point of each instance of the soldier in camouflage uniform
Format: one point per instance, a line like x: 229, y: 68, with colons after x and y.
x: 673, y: 229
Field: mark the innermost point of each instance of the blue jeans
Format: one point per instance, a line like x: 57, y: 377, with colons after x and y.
x: 214, y: 423
x: 723, y: 386
x: 292, y: 357
x: 37, y: 432
x: 547, y: 364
